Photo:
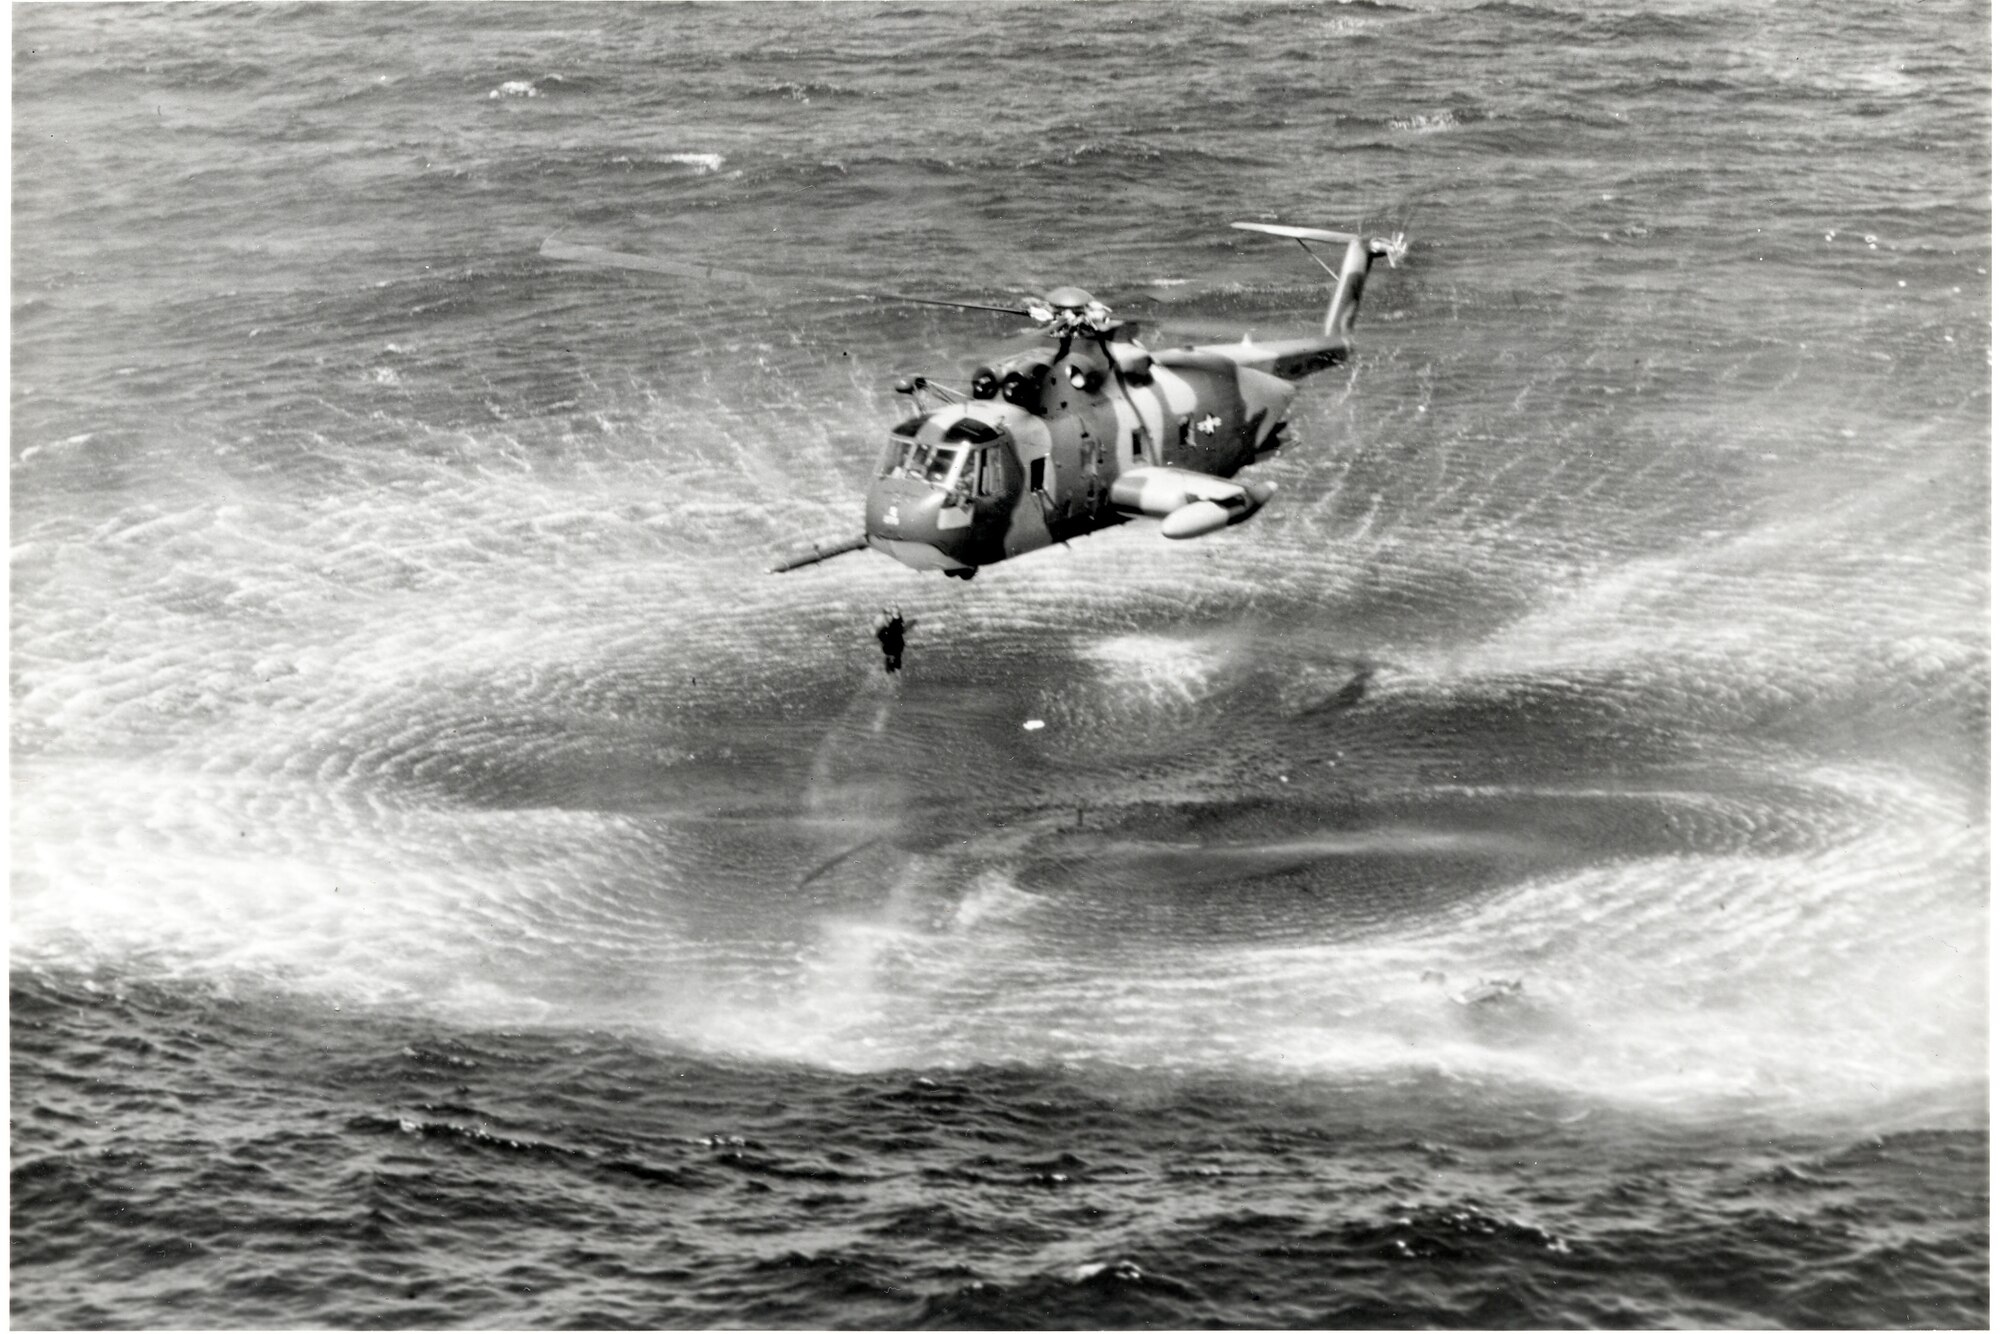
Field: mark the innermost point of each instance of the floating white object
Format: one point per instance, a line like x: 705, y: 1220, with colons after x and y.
x: 1033, y: 725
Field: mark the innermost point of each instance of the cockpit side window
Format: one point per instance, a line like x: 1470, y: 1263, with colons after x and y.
x: 902, y: 447
x: 896, y: 457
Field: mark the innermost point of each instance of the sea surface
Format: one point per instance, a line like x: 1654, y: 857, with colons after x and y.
x: 1533, y: 874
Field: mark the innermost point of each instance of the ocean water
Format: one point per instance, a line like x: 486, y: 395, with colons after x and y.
x: 1532, y: 874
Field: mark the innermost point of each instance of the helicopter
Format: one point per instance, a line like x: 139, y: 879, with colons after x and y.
x: 1086, y: 429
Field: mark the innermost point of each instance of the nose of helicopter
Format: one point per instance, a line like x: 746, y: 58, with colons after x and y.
x: 907, y: 519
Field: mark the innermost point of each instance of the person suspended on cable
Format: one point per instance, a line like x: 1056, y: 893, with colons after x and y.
x: 890, y: 627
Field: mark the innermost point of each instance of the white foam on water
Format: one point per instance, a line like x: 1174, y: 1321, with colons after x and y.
x: 1849, y: 973
x: 993, y: 898
x: 1426, y: 122
x: 1164, y: 670
x: 703, y: 163
x: 864, y: 988
x: 1845, y: 969
x: 282, y: 882
x: 300, y: 734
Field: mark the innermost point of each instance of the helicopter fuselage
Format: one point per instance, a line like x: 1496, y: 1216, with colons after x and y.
x: 1088, y: 429
x: 1085, y: 430
x: 1079, y: 434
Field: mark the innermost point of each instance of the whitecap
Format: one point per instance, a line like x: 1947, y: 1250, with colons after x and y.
x: 703, y: 163
x: 1428, y: 122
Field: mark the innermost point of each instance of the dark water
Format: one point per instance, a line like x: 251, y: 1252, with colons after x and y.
x: 1532, y: 874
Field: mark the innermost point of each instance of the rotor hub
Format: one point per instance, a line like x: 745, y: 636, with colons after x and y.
x: 1070, y: 310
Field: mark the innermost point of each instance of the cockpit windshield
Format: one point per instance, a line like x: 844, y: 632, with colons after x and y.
x: 938, y: 464
x: 958, y: 456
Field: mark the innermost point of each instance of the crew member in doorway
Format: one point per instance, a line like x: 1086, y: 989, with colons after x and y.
x: 889, y: 630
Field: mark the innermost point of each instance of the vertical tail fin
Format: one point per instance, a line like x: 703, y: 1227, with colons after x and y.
x: 1353, y: 276
x: 1353, y: 273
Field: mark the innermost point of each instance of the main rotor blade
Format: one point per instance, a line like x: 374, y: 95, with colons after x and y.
x: 556, y: 248
x: 955, y: 305
x: 1178, y: 331
x: 1297, y: 233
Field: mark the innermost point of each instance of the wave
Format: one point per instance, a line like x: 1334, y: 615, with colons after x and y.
x: 544, y: 85
x: 1426, y: 122
x: 807, y: 90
